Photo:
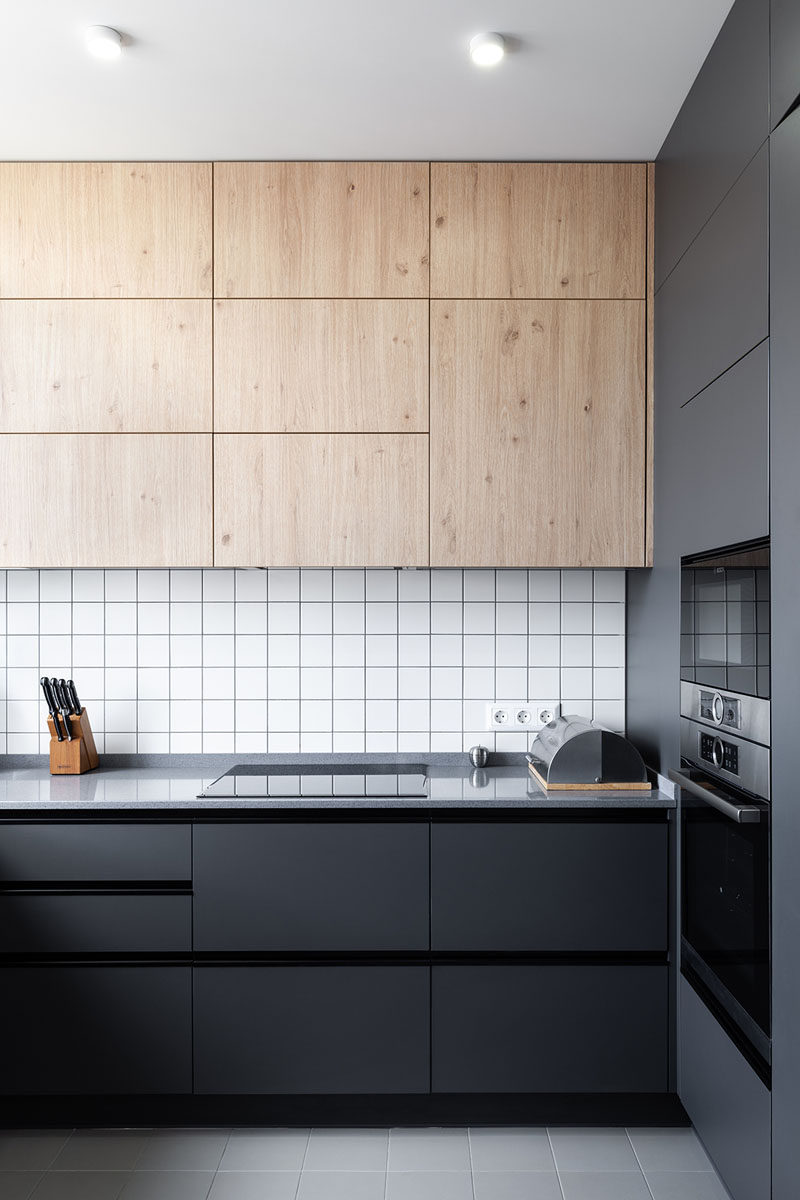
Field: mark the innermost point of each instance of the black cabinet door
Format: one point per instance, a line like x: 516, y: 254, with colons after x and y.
x: 549, y: 1028
x: 94, y: 1030
x: 77, y: 850
x: 721, y: 124
x: 784, y: 56
x: 315, y: 886
x: 311, y: 1029
x: 95, y: 924
x: 566, y: 885
x: 714, y: 307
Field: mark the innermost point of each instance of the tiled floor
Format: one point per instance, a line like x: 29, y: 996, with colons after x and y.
x: 357, y: 1164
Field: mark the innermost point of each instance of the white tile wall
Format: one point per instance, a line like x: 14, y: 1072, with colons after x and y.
x: 311, y: 660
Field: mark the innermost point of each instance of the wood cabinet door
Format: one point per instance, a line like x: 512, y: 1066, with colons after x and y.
x: 115, y: 500
x: 321, y: 500
x: 549, y: 230
x: 537, y: 433
x: 105, y: 229
x: 321, y: 366
x: 321, y: 229
x: 105, y: 366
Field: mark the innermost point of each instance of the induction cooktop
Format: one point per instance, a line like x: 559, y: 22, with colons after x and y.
x: 348, y: 780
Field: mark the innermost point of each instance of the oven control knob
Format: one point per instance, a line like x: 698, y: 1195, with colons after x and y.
x: 717, y: 709
x: 718, y: 752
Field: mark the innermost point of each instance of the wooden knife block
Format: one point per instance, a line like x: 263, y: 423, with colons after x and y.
x: 77, y: 756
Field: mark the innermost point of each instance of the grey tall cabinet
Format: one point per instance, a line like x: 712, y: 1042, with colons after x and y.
x: 727, y: 442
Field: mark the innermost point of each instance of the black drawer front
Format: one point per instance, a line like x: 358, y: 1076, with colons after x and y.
x: 549, y: 1029
x: 96, y: 1030
x: 30, y: 853
x: 311, y: 1029
x: 76, y: 923
x: 311, y: 887
x: 571, y: 885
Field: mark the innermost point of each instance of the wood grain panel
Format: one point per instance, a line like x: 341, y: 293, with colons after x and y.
x: 105, y: 366
x: 321, y: 500
x: 124, y: 500
x: 537, y: 433
x: 105, y: 229
x: 321, y: 229
x: 550, y: 230
x: 319, y: 366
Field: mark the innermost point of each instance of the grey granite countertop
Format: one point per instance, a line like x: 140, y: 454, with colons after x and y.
x: 167, y: 782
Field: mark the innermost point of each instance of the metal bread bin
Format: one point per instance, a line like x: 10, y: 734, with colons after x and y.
x: 573, y: 753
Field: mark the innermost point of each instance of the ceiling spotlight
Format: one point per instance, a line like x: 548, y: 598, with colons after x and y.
x: 487, y: 49
x: 103, y: 42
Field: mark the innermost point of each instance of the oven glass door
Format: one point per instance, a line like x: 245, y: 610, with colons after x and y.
x: 725, y: 910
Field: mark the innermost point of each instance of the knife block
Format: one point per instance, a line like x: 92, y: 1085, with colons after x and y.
x: 77, y: 756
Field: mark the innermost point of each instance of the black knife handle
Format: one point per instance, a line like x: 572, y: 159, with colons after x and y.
x: 52, y: 706
x: 59, y: 687
x: 72, y: 692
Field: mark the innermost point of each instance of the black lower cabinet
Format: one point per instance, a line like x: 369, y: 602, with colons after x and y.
x: 95, y: 1030
x: 549, y: 1028
x: 311, y: 1029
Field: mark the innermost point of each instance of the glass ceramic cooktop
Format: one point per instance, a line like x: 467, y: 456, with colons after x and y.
x: 350, y: 780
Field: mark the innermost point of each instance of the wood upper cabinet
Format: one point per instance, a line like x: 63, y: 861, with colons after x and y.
x: 97, y: 366
x: 539, y: 230
x: 105, y: 229
x: 537, y: 433
x: 320, y: 366
x: 321, y: 229
x: 116, y: 500
x: 342, y: 500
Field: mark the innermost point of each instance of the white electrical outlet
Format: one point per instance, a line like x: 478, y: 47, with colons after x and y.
x: 520, y: 714
x: 545, y: 711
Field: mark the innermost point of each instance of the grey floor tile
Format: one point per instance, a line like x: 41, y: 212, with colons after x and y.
x: 669, y: 1150
x: 604, y: 1185
x: 265, y: 1150
x: 686, y: 1185
x: 347, y: 1150
x: 183, y: 1150
x: 18, y: 1185
x: 168, y: 1185
x: 516, y: 1185
x: 592, y: 1150
x: 422, y: 1150
x: 342, y: 1185
x: 80, y: 1185
x: 102, y: 1150
x: 30, y: 1150
x: 517, y: 1149
x: 429, y: 1185
x: 254, y: 1185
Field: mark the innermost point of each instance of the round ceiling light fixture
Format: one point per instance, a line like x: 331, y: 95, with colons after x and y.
x: 103, y: 42
x: 487, y: 49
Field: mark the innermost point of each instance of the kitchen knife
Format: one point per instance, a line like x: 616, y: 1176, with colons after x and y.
x: 63, y: 705
x: 52, y: 706
x: 72, y: 692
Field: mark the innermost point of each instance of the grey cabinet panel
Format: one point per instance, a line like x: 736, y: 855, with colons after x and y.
x: 727, y: 1102
x: 85, y: 924
x: 311, y: 1029
x: 723, y: 121
x: 549, y: 1028
x: 784, y: 57
x: 94, y: 852
x: 724, y: 459
x: 549, y: 886
x: 713, y: 309
x: 311, y: 886
x: 785, y: 579
x: 89, y: 1030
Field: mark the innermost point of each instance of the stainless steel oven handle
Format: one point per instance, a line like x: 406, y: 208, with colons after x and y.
x: 743, y: 814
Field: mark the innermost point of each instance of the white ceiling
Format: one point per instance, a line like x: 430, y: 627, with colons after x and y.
x: 348, y: 79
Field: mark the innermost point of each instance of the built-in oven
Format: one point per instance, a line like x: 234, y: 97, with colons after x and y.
x: 725, y: 791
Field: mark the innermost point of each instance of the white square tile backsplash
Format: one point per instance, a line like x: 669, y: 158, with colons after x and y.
x: 227, y: 661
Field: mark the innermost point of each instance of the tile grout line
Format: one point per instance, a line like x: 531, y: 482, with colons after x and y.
x: 471, y: 1162
x: 641, y: 1168
x: 552, y: 1151
x: 303, y: 1163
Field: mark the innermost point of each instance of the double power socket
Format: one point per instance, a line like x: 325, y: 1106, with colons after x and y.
x: 521, y: 714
